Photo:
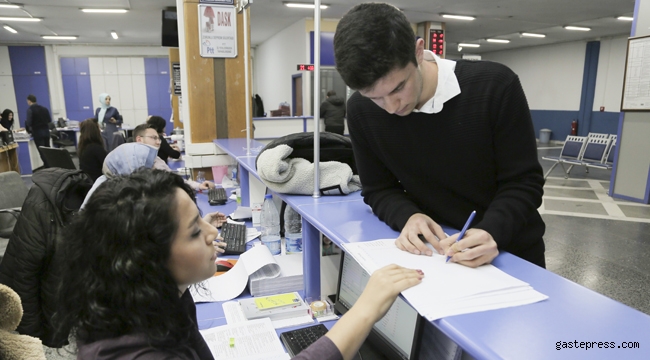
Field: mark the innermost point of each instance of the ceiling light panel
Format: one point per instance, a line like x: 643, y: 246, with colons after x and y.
x: 10, y: 29
x: 110, y: 11
x: 500, y: 41
x: 527, y: 34
x: 458, y: 17
x: 56, y: 37
x: 469, y: 45
x: 304, y: 5
x: 577, y: 28
x: 28, y: 19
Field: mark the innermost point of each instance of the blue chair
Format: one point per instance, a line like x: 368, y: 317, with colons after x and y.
x: 608, y: 160
x: 571, y: 150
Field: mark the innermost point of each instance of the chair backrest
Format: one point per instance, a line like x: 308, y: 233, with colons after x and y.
x: 597, y: 136
x: 53, y: 157
x: 13, y: 193
x: 573, y: 147
x: 13, y: 190
x: 611, y: 151
x: 596, y: 149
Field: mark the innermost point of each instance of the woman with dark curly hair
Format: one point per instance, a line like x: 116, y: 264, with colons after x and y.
x: 133, y: 252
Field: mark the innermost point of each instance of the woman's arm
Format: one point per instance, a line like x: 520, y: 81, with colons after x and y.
x: 381, y: 291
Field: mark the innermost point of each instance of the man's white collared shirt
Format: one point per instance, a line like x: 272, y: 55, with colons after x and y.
x: 446, y: 88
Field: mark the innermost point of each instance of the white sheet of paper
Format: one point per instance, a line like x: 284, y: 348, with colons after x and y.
x: 447, y: 288
x: 254, y: 339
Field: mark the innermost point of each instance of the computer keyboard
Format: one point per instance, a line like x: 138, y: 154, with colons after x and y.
x: 297, y: 340
x: 234, y: 235
x: 217, y: 196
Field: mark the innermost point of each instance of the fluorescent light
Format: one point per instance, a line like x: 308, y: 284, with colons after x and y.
x: 10, y: 6
x: 53, y: 37
x: 500, y: 41
x: 114, y: 35
x: 304, y: 5
x: 115, y: 11
x: 533, y: 35
x: 458, y: 17
x: 9, y: 18
x: 10, y: 29
x: 625, y: 18
x: 469, y: 45
x: 577, y: 28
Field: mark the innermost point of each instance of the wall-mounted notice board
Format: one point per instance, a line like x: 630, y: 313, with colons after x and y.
x: 636, y: 85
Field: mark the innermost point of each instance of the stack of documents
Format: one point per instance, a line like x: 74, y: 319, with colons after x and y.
x: 267, y: 282
x: 268, y: 274
x: 447, y: 288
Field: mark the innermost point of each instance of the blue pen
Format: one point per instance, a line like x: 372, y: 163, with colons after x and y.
x: 462, y: 232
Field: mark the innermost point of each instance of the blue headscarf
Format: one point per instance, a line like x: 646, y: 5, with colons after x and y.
x: 124, y: 160
x: 103, y: 108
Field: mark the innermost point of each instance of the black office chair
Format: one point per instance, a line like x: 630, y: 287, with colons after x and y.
x: 53, y: 157
x: 59, y: 139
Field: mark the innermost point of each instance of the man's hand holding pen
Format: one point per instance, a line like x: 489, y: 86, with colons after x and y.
x: 476, y: 248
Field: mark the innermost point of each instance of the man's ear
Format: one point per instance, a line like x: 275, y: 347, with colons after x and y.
x: 419, y: 50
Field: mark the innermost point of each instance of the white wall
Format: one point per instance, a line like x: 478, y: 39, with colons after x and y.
x: 274, y: 63
x: 551, y: 75
x: 54, y: 52
x: 611, y: 67
x: 8, y: 98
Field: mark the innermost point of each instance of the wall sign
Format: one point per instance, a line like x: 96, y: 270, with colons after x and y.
x: 176, y: 78
x: 636, y: 81
x: 305, y: 67
x: 220, y: 2
x: 218, y: 31
x: 437, y: 37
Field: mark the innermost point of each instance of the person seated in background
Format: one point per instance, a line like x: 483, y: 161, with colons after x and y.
x: 91, y: 148
x: 126, y: 159
x: 125, y: 293
x: 145, y: 134
x: 165, y: 151
x: 7, y: 120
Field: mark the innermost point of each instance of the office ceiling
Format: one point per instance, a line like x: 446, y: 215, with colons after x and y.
x: 503, y: 19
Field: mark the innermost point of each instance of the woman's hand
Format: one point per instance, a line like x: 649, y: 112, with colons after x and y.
x: 215, y: 219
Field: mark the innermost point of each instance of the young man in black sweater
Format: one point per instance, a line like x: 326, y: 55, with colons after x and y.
x: 435, y: 139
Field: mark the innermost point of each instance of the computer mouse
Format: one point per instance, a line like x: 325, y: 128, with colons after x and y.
x: 224, y: 265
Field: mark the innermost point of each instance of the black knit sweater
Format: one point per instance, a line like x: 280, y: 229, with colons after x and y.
x: 478, y: 153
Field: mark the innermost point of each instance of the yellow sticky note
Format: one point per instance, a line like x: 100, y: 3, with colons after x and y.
x: 270, y: 302
x: 232, y: 342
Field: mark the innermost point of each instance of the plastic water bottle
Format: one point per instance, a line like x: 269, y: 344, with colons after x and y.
x: 270, y: 219
x: 292, y: 230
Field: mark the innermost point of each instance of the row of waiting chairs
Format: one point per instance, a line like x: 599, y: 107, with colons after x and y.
x: 594, y: 150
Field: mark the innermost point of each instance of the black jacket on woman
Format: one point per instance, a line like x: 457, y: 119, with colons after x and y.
x: 91, y: 160
x: 165, y: 151
x: 30, y: 264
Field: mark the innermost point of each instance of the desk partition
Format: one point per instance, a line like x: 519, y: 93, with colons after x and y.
x: 594, y: 326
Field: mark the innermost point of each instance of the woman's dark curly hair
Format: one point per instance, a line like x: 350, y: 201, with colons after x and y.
x: 115, y: 279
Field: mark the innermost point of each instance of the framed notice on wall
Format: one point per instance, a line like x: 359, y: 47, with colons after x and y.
x: 636, y: 82
x: 218, y: 31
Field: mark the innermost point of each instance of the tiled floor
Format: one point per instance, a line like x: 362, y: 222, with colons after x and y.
x: 591, y: 239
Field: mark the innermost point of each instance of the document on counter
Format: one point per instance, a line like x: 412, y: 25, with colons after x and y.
x: 249, y: 340
x: 256, y: 262
x: 447, y: 288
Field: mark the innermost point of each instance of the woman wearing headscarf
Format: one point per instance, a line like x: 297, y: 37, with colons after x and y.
x: 129, y: 157
x: 109, y: 119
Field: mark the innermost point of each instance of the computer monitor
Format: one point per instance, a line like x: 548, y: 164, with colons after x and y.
x: 397, y: 335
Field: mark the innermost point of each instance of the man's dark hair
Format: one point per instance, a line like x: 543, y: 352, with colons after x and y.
x: 116, y: 279
x: 331, y: 93
x: 370, y: 41
x: 140, y: 130
x: 158, y: 123
x: 31, y: 98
